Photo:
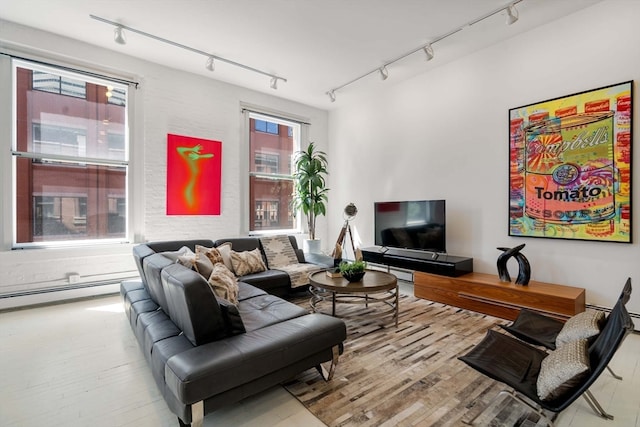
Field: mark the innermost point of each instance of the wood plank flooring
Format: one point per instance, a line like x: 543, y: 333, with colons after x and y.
x: 78, y: 364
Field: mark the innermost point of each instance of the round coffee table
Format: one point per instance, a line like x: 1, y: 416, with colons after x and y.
x: 375, y: 287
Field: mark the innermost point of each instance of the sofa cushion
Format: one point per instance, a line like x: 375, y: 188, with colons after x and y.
x: 192, y: 305
x: 278, y: 251
x: 240, y: 244
x: 265, y: 310
x: 223, y: 283
x: 563, y: 370
x: 272, y: 281
x: 246, y: 291
x: 583, y: 325
x: 153, y: 266
x: 247, y: 262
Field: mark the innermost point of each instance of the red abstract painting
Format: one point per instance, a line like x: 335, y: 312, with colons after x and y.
x: 194, y: 168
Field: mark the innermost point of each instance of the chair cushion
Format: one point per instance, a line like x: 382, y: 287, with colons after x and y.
x: 535, y: 328
x: 581, y: 326
x: 563, y: 370
x: 247, y: 262
x: 508, y: 360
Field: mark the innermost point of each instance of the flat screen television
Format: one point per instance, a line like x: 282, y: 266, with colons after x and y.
x: 418, y: 225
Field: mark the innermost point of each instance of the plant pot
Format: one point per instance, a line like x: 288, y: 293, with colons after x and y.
x: 354, y: 277
x: 312, y: 246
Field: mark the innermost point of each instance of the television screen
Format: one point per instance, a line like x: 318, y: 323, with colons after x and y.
x: 411, y: 225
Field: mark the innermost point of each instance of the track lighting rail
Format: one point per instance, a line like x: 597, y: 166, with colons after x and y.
x: 512, y: 16
x: 210, y: 57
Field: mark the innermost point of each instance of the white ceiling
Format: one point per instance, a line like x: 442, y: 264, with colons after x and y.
x: 316, y: 45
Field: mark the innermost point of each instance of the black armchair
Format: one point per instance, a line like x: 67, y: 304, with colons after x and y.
x: 538, y: 329
x: 519, y: 365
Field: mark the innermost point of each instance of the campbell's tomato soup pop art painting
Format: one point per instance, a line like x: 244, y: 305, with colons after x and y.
x: 570, y: 166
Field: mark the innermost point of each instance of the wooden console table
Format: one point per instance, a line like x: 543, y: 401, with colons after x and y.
x: 485, y: 293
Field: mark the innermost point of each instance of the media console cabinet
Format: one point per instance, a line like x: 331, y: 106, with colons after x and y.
x: 447, y: 265
x: 485, y: 293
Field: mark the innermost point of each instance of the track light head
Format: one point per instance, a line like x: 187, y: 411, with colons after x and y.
x: 428, y: 50
x: 332, y: 95
x: 512, y: 14
x: 274, y: 83
x: 384, y: 73
x: 210, y: 65
x: 118, y: 35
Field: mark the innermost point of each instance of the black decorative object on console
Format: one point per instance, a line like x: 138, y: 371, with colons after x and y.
x: 524, y: 269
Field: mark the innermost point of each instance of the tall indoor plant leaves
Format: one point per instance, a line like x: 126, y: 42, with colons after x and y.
x: 310, y: 171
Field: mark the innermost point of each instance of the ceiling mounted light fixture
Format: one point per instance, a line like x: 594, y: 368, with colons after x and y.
x: 118, y: 35
x: 274, y: 83
x: 512, y: 14
x: 210, y: 64
x: 384, y: 73
x: 428, y: 50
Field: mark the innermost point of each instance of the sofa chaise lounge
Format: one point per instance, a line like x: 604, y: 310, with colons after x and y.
x: 206, y: 353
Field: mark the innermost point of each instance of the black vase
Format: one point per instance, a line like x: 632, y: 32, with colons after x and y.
x: 354, y: 277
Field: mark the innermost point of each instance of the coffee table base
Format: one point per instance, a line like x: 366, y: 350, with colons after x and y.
x: 389, y: 298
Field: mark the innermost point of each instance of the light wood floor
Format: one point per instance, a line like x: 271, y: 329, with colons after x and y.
x: 79, y: 364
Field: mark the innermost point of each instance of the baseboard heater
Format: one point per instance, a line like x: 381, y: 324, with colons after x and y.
x: 66, y: 288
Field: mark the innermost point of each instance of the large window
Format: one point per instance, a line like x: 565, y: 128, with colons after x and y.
x: 70, y: 157
x: 272, y: 144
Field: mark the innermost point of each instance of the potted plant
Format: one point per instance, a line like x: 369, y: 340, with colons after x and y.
x: 310, y: 171
x: 353, y: 271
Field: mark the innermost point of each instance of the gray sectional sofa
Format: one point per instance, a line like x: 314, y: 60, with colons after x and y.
x: 206, y: 353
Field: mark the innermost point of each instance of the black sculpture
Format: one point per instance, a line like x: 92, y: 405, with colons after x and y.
x: 524, y: 269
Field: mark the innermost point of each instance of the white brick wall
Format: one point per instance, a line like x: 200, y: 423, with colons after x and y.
x: 167, y: 101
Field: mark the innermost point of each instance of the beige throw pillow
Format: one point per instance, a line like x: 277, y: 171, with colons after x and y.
x: 223, y: 283
x: 202, y: 262
x: 247, y: 262
x: 583, y: 325
x: 563, y: 370
x: 225, y: 252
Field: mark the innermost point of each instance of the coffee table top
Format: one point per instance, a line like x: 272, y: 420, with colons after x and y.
x: 373, y: 281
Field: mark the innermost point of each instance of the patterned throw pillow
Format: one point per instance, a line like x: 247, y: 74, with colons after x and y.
x: 223, y: 283
x: 278, y: 251
x: 206, y: 258
x: 583, y: 325
x: 247, y: 262
x: 213, y: 254
x: 563, y: 370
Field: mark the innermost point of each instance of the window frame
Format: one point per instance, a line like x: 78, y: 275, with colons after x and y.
x: 300, y: 133
x: 104, y: 160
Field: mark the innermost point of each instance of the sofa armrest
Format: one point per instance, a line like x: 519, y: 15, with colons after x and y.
x: 207, y: 370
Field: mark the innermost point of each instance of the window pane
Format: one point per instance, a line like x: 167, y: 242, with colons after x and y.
x: 69, y: 202
x: 271, y: 201
x: 271, y: 153
x: 47, y: 82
